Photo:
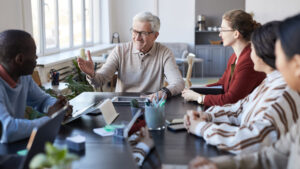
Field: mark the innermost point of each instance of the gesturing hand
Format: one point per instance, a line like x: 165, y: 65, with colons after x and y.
x: 87, y: 66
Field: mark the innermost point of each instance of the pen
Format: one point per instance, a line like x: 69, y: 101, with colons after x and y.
x: 148, y: 102
x: 162, y: 103
x: 162, y: 98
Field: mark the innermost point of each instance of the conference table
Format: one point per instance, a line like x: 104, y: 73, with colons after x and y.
x: 111, y: 152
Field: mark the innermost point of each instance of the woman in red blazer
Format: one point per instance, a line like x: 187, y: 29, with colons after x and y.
x: 239, y: 78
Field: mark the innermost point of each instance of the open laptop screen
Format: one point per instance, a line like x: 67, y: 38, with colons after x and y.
x: 45, y: 133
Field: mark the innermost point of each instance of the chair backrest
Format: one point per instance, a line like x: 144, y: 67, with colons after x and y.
x: 180, y: 50
x: 190, y: 59
x: 36, y: 77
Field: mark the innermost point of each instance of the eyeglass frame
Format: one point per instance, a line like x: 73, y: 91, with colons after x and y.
x: 228, y: 30
x: 141, y: 33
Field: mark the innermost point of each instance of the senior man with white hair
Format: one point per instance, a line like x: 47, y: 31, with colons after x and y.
x: 142, y: 64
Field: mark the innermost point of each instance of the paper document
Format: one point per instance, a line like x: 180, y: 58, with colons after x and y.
x: 102, y: 132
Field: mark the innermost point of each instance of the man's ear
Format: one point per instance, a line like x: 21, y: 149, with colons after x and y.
x: 19, y: 59
x: 156, y: 34
x: 296, y: 59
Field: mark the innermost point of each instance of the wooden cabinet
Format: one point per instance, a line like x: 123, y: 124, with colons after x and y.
x: 215, y: 59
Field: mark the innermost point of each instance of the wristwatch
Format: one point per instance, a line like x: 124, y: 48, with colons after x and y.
x: 201, y: 99
x: 167, y: 91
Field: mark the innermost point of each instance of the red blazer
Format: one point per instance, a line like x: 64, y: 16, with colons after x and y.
x: 244, y: 80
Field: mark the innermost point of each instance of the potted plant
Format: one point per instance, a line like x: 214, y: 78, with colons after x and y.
x: 54, y: 158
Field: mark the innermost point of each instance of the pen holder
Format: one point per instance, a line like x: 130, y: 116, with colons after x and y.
x: 155, y: 117
x: 134, y: 110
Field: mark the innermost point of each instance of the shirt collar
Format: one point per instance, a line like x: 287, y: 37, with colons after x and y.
x: 246, y: 49
x: 6, y: 77
x: 151, y: 52
x: 273, y: 75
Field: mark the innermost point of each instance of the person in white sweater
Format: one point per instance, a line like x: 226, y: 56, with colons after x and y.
x: 259, y: 119
x: 285, y: 152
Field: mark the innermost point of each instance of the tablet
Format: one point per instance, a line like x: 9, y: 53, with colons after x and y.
x: 125, y: 100
x: 176, y: 127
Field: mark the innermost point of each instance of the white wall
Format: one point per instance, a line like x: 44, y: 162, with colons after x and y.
x: 10, y: 15
x: 268, y: 10
x: 177, y: 18
x: 177, y: 21
x: 15, y: 14
x: 122, y: 12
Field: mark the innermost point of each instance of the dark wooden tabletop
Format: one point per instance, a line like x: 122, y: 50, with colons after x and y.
x: 109, y: 152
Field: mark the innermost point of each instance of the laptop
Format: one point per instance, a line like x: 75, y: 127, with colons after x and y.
x: 36, y: 144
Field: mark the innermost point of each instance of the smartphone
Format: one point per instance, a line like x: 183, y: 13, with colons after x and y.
x: 176, y: 127
x: 175, y: 121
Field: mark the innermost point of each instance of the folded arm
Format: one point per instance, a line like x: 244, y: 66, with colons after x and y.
x: 237, y: 139
x: 272, y: 157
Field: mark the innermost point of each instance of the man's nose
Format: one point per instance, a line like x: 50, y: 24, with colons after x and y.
x: 139, y: 36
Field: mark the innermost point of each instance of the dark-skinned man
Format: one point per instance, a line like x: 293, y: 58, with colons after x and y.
x: 17, y: 88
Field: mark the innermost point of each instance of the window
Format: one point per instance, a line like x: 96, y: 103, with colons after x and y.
x: 60, y: 25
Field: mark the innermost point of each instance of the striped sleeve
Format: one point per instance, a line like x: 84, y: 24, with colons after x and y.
x: 237, y: 139
x: 272, y: 157
x: 139, y: 149
x: 229, y: 113
x: 284, y: 112
x: 260, y: 128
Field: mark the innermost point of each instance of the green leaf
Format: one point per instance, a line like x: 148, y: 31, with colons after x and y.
x: 134, y: 103
x: 54, y: 158
x: 40, y: 160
